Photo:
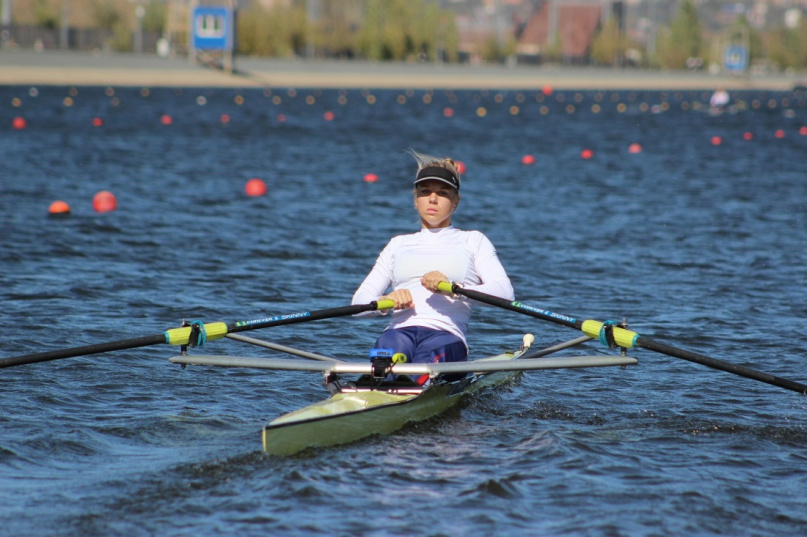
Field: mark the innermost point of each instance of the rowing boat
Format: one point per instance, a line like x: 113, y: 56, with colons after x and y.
x: 372, y: 405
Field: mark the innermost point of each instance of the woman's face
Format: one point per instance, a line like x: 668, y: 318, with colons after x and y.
x: 435, y: 201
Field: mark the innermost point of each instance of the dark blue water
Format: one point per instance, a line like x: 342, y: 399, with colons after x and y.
x: 702, y: 246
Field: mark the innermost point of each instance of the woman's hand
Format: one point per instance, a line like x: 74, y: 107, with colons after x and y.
x: 401, y: 297
x: 431, y: 280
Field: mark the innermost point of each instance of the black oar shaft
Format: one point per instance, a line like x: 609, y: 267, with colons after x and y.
x: 627, y: 338
x: 513, y: 306
x: 180, y: 336
x: 301, y: 317
x: 83, y: 351
x: 663, y: 348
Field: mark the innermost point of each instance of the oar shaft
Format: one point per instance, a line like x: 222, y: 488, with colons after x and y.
x: 512, y: 306
x: 83, y: 351
x: 663, y: 348
x: 625, y: 338
x: 181, y: 336
x: 307, y: 316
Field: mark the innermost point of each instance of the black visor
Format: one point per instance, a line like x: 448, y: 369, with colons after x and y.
x: 439, y: 174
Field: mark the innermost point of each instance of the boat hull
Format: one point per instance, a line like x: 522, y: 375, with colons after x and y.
x: 349, y: 416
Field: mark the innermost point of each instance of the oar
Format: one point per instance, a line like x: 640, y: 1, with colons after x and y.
x: 186, y: 334
x: 624, y: 338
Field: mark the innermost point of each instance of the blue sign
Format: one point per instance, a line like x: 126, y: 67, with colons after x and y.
x: 735, y: 58
x: 212, y: 28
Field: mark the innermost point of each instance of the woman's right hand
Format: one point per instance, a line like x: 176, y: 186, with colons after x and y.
x: 401, y: 297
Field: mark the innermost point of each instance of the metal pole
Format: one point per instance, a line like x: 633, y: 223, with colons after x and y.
x: 140, y: 11
x: 64, y: 25
x: 191, y: 32
x: 5, y: 16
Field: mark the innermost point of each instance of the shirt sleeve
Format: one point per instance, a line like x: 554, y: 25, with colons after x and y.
x: 378, y: 281
x: 491, y: 272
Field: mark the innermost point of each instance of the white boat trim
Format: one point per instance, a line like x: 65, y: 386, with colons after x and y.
x: 366, y: 368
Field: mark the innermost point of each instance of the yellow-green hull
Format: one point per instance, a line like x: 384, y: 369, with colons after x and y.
x: 349, y: 416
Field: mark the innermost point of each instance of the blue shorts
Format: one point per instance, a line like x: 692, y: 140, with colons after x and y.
x: 424, y: 345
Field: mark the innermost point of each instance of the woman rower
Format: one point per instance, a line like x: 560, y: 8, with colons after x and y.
x: 429, y: 326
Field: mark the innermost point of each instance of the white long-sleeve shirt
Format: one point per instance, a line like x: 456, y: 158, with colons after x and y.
x: 465, y: 257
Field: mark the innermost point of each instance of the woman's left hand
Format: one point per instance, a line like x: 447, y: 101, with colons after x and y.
x: 430, y: 280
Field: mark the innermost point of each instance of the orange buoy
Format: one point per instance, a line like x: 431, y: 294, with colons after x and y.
x: 59, y: 207
x: 586, y: 153
x: 635, y: 148
x: 460, y: 166
x: 19, y: 123
x: 104, y: 202
x: 528, y: 160
x: 255, y: 187
x: 717, y: 140
x: 165, y: 119
x: 370, y: 178
x: 328, y: 116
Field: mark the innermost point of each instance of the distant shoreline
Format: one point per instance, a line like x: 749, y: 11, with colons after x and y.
x: 59, y: 68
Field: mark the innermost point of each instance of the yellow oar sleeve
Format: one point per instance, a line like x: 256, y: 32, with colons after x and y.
x: 623, y: 338
x: 181, y: 336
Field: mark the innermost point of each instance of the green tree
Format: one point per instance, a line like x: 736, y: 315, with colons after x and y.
x: 106, y: 14
x: 45, y: 14
x: 609, y: 45
x: 787, y: 47
x: 277, y: 32
x: 154, y: 18
x: 405, y: 29
x: 682, y: 40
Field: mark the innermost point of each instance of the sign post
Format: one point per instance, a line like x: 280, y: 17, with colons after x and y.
x: 212, y: 34
x: 736, y: 52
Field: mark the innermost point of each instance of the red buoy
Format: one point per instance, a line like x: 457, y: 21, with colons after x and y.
x: 586, y: 153
x: 97, y: 122
x: 370, y: 178
x: 748, y: 136
x: 448, y: 111
x: 328, y: 116
x: 58, y: 207
x: 19, y: 123
x: 165, y: 119
x: 717, y: 140
x: 255, y: 187
x: 528, y: 160
x: 635, y: 148
x: 104, y: 202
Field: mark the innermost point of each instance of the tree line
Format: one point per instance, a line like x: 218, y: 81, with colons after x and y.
x: 408, y: 30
